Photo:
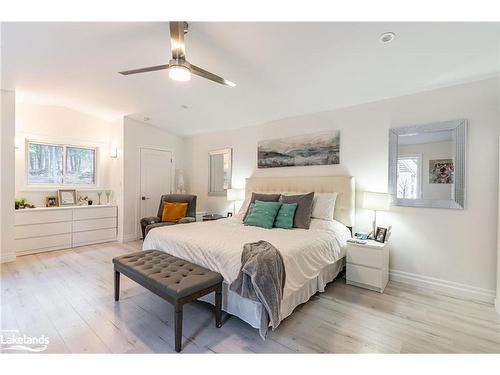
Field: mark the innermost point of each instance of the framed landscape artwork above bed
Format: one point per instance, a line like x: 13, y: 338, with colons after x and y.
x: 311, y: 149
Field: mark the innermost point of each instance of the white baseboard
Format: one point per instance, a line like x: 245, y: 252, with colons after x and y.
x: 450, y: 287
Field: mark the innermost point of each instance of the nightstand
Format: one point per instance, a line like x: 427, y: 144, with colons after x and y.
x: 368, y: 265
x: 210, y: 217
x: 200, y: 214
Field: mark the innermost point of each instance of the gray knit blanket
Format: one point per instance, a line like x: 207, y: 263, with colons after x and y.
x: 262, y: 278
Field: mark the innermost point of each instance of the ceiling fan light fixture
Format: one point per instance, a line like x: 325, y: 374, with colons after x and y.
x: 179, y: 73
x: 179, y: 69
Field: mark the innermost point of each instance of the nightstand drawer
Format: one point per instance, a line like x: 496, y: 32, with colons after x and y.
x: 364, y: 275
x: 365, y: 256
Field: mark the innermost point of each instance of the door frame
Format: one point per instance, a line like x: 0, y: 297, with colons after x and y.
x: 138, y: 180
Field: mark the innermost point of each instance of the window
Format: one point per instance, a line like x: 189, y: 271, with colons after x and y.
x: 60, y: 164
x: 409, y: 177
x: 80, y: 166
x: 45, y: 164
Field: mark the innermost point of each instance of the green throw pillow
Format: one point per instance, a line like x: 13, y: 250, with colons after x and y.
x: 249, y: 210
x: 284, y: 220
x: 262, y: 214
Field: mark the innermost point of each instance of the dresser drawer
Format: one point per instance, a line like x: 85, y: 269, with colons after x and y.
x: 94, y: 236
x: 39, y: 217
x: 365, y: 275
x: 38, y: 230
x: 94, y: 213
x: 84, y: 225
x: 39, y: 244
x: 366, y: 256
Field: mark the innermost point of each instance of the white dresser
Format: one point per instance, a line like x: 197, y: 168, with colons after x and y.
x: 368, y: 265
x: 46, y: 229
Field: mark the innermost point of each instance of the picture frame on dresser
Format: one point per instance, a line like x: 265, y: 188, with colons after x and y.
x: 66, y: 197
x: 51, y: 201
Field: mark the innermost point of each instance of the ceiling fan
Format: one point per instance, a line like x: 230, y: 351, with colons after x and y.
x: 179, y: 69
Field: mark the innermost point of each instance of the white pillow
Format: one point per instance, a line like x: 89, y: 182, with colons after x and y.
x: 323, y: 206
x: 243, y: 209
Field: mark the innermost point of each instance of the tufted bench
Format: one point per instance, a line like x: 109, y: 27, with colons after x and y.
x: 171, y: 278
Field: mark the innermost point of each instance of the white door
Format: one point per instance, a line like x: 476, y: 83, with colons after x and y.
x: 156, y: 179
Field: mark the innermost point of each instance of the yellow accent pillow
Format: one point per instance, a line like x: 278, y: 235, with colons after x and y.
x: 173, y: 211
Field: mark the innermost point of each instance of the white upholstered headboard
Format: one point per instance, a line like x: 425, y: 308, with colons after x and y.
x: 343, y: 185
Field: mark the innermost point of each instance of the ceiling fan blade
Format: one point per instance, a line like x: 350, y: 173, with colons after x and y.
x: 203, y: 73
x: 177, y: 40
x: 144, y: 70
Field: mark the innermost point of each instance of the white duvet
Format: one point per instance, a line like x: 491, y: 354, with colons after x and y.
x: 217, y: 245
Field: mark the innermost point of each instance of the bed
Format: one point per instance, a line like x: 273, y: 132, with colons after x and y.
x: 312, y: 257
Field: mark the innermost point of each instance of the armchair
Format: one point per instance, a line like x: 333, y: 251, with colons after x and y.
x: 149, y: 223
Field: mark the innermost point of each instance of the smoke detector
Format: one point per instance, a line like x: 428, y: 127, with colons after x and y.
x: 386, y: 37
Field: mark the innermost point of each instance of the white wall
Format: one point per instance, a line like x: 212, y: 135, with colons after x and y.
x: 61, y: 125
x: 452, y: 246
x: 7, y: 129
x: 116, y: 170
x: 138, y: 134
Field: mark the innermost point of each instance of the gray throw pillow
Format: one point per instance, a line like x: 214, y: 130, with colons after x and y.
x: 262, y: 198
x: 303, y: 212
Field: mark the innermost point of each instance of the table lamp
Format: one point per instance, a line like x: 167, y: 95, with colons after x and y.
x: 235, y: 195
x: 376, y: 202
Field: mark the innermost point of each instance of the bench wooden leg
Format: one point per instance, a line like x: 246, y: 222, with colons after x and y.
x: 218, y: 307
x: 117, y: 285
x: 178, y: 327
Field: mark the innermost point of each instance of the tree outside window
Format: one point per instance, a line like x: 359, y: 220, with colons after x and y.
x: 409, y: 177
x: 50, y: 164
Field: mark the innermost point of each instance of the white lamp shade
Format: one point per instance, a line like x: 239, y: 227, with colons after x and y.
x: 376, y: 201
x: 235, y: 194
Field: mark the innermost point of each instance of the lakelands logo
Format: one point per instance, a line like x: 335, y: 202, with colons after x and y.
x: 11, y: 340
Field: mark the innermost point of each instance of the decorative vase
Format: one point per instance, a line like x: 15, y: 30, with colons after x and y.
x: 108, y: 195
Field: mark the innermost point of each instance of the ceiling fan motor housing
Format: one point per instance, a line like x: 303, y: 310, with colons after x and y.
x: 180, y: 62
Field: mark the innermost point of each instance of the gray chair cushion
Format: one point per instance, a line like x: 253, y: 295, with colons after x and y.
x: 150, y: 220
x: 302, y: 218
x: 186, y: 220
x: 175, y: 277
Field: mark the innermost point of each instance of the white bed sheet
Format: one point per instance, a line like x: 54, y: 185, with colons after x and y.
x: 217, y: 245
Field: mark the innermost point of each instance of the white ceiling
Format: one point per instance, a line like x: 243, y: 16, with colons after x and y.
x: 281, y: 69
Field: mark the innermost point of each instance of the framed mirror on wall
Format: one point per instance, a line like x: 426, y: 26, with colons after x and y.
x: 427, y: 165
x: 219, y: 171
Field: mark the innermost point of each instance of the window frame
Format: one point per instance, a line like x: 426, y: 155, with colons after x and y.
x: 420, y: 181
x: 64, y: 146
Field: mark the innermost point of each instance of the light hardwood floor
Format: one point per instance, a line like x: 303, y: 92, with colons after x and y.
x: 67, y: 295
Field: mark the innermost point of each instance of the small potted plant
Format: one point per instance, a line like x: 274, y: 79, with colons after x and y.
x: 20, y: 203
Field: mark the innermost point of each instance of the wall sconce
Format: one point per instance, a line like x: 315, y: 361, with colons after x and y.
x: 113, y: 152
